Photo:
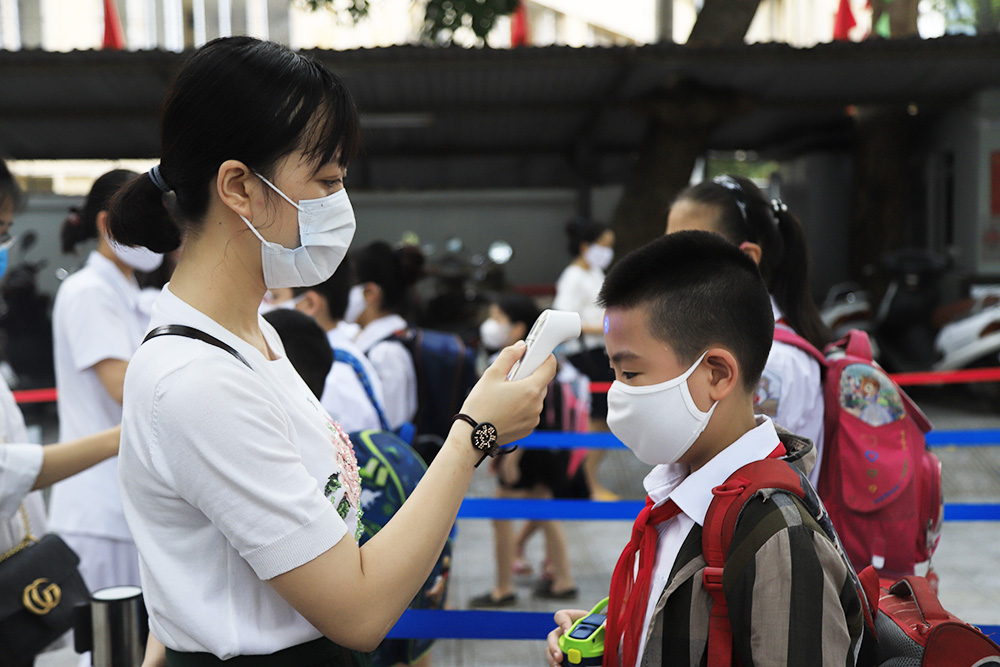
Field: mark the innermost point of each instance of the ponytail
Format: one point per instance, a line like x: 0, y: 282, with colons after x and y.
x: 73, y: 231
x: 139, y: 217
x: 745, y: 215
x: 81, y: 223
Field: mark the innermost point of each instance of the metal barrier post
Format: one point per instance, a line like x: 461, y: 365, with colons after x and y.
x: 120, y: 626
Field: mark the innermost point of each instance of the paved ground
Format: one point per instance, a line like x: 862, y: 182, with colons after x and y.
x: 968, y: 560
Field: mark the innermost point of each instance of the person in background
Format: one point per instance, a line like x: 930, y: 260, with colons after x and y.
x: 592, y: 246
x: 25, y: 468
x: 376, y: 303
x: 305, y: 344
x: 98, y: 321
x: 525, y: 473
x: 353, y: 391
x: 790, y: 390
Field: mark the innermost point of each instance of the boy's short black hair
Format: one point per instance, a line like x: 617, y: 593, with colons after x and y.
x: 306, y: 345
x: 699, y: 291
x: 334, y: 289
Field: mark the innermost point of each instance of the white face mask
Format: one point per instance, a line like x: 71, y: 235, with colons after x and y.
x: 140, y: 259
x: 658, y: 422
x: 326, y: 229
x: 356, y: 304
x: 599, y: 256
x: 494, y: 334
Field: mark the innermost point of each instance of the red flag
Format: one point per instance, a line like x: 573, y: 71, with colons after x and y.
x: 114, y: 35
x: 519, y: 26
x: 844, y: 21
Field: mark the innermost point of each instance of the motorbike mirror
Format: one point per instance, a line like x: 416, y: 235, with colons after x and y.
x: 500, y: 252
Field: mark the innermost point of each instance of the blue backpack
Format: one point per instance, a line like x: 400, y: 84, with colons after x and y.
x: 390, y: 470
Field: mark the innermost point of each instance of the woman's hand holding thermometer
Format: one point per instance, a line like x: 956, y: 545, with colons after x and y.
x: 552, y: 328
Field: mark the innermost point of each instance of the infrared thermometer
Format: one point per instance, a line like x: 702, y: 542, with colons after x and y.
x: 552, y: 328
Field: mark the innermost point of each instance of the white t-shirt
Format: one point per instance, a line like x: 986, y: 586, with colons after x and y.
x: 97, y: 315
x: 344, y: 396
x: 229, y: 476
x: 394, y: 365
x: 791, y: 393
x: 577, y: 290
x: 693, y: 494
x: 20, y: 464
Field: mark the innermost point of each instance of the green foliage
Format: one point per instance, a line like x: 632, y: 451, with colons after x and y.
x: 442, y: 18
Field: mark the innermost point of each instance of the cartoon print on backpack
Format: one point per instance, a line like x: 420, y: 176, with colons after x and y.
x: 868, y: 394
x: 765, y: 399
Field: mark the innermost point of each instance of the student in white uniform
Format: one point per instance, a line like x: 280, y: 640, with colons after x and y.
x: 240, y: 490
x: 790, y: 389
x: 353, y: 391
x: 97, y: 323
x: 376, y: 303
x: 25, y: 467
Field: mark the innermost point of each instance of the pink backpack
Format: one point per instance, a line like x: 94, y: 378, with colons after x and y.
x: 879, y: 482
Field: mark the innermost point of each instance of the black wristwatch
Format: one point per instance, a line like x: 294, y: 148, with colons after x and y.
x: 484, y: 437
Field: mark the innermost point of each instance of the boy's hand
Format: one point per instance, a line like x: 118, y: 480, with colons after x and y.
x: 564, y: 619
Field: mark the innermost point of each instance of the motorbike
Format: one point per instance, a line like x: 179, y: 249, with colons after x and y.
x: 847, y: 306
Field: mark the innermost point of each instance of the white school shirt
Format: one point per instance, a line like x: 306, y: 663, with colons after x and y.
x: 692, y: 492
x: 577, y: 290
x: 229, y: 476
x: 20, y: 464
x: 344, y: 396
x: 97, y: 315
x: 394, y: 365
x: 791, y: 392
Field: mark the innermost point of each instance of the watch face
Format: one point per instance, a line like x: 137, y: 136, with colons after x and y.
x: 484, y: 436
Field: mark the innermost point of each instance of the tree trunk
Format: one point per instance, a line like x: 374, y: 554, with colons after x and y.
x: 723, y: 22
x: 680, y: 121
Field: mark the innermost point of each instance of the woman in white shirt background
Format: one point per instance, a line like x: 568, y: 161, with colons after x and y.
x: 26, y: 467
x: 591, y: 244
x: 377, y: 302
x: 98, y: 321
x: 790, y: 389
x: 238, y: 486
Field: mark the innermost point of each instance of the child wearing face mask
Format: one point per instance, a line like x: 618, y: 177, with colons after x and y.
x: 592, y: 246
x: 528, y: 473
x: 98, y: 320
x: 689, y: 326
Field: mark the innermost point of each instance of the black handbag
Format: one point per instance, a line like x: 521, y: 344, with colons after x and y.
x: 39, y: 587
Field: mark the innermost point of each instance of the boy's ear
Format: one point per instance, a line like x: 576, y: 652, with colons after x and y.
x: 724, y: 373
x: 311, y: 303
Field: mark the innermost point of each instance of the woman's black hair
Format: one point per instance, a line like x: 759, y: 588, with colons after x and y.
x: 582, y: 230
x: 746, y: 215
x: 236, y: 98
x: 81, y: 224
x: 518, y: 308
x: 9, y: 189
x: 379, y: 263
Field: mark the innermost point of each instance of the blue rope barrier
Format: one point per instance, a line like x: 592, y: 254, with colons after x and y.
x: 566, y: 440
x: 627, y: 510
x: 525, y: 625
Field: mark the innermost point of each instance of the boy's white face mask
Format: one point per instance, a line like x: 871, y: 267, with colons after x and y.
x: 658, y: 422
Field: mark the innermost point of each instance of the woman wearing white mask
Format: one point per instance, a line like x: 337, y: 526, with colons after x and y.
x: 592, y: 246
x: 376, y: 303
x: 242, y: 493
x: 98, y: 321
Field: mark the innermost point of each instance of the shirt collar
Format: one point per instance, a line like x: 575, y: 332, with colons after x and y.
x: 378, y: 330
x: 128, y: 286
x: 693, y: 491
x: 775, y: 310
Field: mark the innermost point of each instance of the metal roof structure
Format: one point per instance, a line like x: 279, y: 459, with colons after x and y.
x: 452, y: 117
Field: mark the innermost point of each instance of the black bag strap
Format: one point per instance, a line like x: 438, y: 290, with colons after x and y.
x: 197, y: 334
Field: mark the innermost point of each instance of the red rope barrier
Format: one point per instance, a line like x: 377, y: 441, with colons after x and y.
x: 35, y: 396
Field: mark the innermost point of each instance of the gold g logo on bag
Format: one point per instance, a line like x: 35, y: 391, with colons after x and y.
x: 41, y: 596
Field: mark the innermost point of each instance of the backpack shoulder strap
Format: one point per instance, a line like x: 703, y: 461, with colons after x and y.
x: 197, y: 334
x: 717, y: 535
x: 345, y: 357
x: 785, y: 334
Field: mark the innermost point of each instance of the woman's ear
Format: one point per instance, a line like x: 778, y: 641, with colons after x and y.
x: 236, y: 186
x: 753, y: 250
x: 102, y: 224
x: 373, y: 294
x: 311, y: 303
x: 724, y: 373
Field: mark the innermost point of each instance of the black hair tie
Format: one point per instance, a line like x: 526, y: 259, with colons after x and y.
x: 157, y: 178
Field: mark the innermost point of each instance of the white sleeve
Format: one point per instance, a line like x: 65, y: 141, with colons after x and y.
x: 568, y: 293
x: 19, y: 468
x: 221, y: 440
x: 97, y: 329
x: 394, y: 365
